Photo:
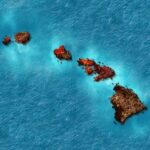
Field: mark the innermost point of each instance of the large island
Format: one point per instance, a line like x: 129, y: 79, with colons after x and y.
x: 126, y: 103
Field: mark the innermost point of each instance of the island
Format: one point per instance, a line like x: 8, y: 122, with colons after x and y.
x: 91, y: 67
x: 62, y: 54
x: 22, y: 37
x: 126, y: 103
x: 6, y: 40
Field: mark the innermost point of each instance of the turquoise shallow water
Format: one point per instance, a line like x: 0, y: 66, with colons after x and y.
x: 46, y: 105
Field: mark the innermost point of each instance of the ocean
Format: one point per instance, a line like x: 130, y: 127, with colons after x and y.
x: 49, y: 105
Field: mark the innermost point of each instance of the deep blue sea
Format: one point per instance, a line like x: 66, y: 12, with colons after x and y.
x: 48, y: 105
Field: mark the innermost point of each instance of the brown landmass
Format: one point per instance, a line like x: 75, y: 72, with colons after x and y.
x: 126, y: 103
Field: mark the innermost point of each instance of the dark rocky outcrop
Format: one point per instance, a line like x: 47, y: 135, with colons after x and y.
x: 6, y: 40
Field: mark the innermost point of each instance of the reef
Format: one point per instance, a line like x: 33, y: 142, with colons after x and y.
x: 91, y: 67
x: 126, y: 103
x: 62, y: 54
x: 22, y: 37
x: 6, y: 40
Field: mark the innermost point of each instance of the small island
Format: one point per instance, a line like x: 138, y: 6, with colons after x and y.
x: 22, y: 37
x: 6, y: 40
x: 62, y: 54
x: 91, y: 67
x: 126, y: 103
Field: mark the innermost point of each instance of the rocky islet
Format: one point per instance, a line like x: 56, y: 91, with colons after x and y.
x: 6, y: 40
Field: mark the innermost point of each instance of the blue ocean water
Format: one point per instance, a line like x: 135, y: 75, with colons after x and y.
x: 46, y: 105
